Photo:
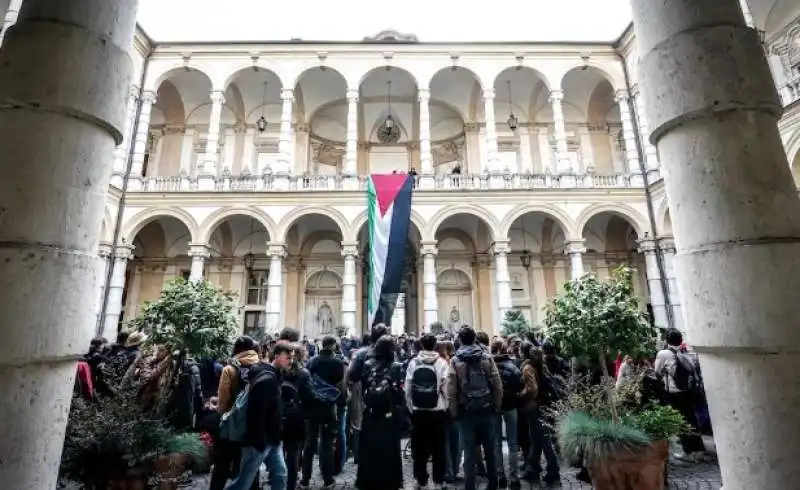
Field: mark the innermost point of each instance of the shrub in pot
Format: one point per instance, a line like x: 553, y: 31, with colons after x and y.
x: 178, y: 454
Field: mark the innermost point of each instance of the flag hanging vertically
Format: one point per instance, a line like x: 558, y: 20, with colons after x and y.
x: 389, y: 211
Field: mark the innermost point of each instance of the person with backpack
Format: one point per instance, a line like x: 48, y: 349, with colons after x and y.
x: 425, y: 397
x: 232, y: 381
x: 475, y: 395
x: 512, y: 386
x: 538, y: 393
x: 262, y: 406
x: 680, y: 371
x: 380, y: 458
x: 327, y: 389
x: 295, y: 397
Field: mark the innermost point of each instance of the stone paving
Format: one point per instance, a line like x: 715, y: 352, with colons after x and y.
x: 703, y: 475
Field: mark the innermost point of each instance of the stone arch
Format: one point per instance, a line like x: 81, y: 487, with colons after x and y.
x: 157, y: 77
x: 459, y: 269
x: 295, y: 215
x: 315, y: 237
x: 793, y: 146
x: 610, y: 72
x: 460, y: 235
x: 402, y: 66
x: 294, y: 79
x: 556, y: 214
x: 317, y: 271
x: 633, y: 217
x: 472, y: 72
x: 476, y: 211
x: 261, y: 65
x: 217, y: 217
x: 536, y: 71
x: 138, y: 221
x: 361, y: 219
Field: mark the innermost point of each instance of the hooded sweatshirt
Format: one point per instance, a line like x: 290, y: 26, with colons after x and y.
x: 465, y: 355
x: 439, y: 365
x: 229, y: 379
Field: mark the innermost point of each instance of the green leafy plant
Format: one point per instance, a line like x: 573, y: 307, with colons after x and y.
x: 515, y: 323
x: 437, y: 328
x: 188, y: 444
x: 581, y: 436
x: 193, y: 317
x: 659, y: 422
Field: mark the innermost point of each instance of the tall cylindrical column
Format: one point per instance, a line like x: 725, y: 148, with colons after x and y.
x: 350, y: 254
x: 658, y: 303
x: 121, y: 150
x: 559, y: 127
x: 425, y: 159
x: 502, y: 278
x: 64, y: 72
x: 631, y: 153
x: 285, y: 141
x: 351, y: 151
x: 667, y: 244
x: 430, y: 302
x: 492, y: 163
x: 575, y: 249
x: 142, y: 130
x: 200, y: 254
x: 651, y: 155
x: 211, y: 156
x: 276, y: 252
x: 712, y: 105
x: 121, y: 255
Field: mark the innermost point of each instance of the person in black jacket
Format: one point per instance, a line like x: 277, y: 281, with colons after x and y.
x: 262, y: 442
x: 512, y: 386
x: 296, y: 395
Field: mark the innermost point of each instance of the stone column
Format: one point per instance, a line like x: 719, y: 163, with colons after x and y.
x: 350, y: 254
x: 647, y: 247
x: 121, y: 150
x: 285, y: 141
x: 142, y: 131
x: 564, y: 165
x: 668, y: 250
x: 501, y: 250
x: 64, y: 72
x: 631, y: 155
x: 210, y: 158
x: 351, y: 152
x: 106, y: 252
x: 276, y: 252
x: 121, y: 255
x: 430, y: 302
x: 492, y: 163
x: 575, y: 249
x: 651, y: 155
x: 249, y: 151
x: 425, y: 158
x: 713, y: 108
x: 200, y: 254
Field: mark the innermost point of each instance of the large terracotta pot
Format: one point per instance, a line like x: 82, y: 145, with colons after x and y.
x: 134, y: 480
x: 633, y: 471
x: 168, y: 468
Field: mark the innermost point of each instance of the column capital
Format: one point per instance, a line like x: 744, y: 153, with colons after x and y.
x: 488, y: 93
x: 621, y: 95
x: 133, y: 92
x: 501, y: 247
x: 349, y: 249
x: 575, y: 247
x: 647, y: 245
x: 667, y: 243
x: 218, y: 97
x: 635, y: 91
x: 276, y: 250
x: 287, y: 94
x: 428, y: 248
x: 105, y: 250
x: 199, y: 250
x: 149, y: 97
x: 352, y: 95
x: 556, y: 96
x: 423, y: 95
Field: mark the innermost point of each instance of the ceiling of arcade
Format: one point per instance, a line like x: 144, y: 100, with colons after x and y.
x: 321, y: 104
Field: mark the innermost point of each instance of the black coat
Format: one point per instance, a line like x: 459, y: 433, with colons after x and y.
x: 264, y: 407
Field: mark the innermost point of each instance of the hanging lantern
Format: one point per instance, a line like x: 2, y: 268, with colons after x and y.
x: 526, y: 258
x: 249, y: 260
x: 261, y: 124
x: 388, y: 124
x: 513, y: 122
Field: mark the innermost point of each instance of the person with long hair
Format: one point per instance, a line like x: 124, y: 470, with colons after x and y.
x: 380, y: 460
x: 446, y: 349
x: 537, y: 393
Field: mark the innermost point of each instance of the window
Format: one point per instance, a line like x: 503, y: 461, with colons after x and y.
x: 254, y: 321
x: 257, y: 287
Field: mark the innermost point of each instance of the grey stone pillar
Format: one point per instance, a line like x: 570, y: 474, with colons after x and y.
x: 736, y: 218
x: 64, y: 77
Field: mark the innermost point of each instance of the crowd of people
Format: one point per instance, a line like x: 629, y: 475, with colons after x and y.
x: 467, y: 405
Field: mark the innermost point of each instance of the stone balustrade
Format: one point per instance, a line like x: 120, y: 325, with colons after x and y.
x: 321, y: 183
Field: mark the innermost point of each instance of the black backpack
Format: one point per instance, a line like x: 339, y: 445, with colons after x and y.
x: 476, y: 389
x: 377, y: 391
x: 685, y: 373
x: 424, y: 386
x: 290, y: 399
x: 512, y: 383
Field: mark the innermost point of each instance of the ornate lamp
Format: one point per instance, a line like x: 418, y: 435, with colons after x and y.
x: 525, y: 258
x: 261, y: 124
x: 249, y: 260
x: 512, y: 121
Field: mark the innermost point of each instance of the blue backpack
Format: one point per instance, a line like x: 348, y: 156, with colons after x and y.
x: 233, y: 424
x: 322, y: 391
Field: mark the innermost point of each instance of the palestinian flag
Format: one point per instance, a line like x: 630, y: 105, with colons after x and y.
x: 389, y: 207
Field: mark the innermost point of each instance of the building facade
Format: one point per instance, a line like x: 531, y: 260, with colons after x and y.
x: 249, y: 162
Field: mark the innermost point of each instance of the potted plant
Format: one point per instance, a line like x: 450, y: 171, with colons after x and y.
x: 515, y: 323
x: 178, y: 454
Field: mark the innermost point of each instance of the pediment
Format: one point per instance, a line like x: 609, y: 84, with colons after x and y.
x: 390, y: 36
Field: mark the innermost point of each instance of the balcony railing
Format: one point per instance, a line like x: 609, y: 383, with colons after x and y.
x: 323, y: 183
